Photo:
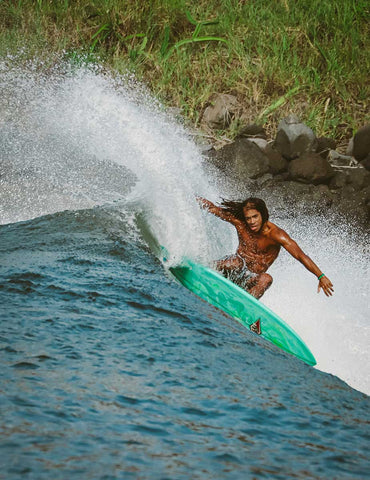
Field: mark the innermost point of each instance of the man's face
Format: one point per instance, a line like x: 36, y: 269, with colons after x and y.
x: 253, y: 219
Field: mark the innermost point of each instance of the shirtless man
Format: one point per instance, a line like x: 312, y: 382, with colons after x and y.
x: 259, y: 245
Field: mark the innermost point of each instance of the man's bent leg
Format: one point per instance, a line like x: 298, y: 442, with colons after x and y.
x: 233, y: 268
x: 258, y: 285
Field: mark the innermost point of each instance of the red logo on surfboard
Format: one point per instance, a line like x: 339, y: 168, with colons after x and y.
x: 256, y: 327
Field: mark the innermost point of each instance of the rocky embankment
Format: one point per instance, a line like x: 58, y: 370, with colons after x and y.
x: 296, y: 165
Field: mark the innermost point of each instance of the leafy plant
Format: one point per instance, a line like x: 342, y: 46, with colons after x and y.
x: 262, y: 117
x: 135, y: 52
x: 100, y: 35
x: 195, y: 38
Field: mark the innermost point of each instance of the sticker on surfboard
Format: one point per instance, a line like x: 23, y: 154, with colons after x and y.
x: 256, y: 327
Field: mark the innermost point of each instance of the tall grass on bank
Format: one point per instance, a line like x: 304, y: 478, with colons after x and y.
x: 306, y: 56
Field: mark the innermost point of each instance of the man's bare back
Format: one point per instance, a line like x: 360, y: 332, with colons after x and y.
x: 260, y: 242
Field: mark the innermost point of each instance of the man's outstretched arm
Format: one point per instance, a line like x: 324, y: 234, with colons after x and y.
x: 218, y: 211
x: 293, y: 248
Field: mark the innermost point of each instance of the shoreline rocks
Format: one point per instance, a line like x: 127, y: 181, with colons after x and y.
x: 300, y: 166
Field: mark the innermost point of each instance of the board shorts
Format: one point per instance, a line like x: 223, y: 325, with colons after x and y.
x: 241, y: 276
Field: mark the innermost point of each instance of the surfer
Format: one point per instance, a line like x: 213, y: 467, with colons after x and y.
x: 259, y: 245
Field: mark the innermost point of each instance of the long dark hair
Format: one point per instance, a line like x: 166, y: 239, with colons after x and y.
x: 236, y: 207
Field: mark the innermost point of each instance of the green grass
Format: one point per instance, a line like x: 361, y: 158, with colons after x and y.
x: 309, y: 57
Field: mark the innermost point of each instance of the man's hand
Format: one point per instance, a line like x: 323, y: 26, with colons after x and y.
x: 326, y: 285
x: 204, y: 203
x: 218, y: 211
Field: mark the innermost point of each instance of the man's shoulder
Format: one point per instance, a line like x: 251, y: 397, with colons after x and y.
x: 271, y: 227
x: 275, y: 233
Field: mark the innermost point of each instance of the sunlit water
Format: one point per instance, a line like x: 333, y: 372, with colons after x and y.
x: 110, y: 369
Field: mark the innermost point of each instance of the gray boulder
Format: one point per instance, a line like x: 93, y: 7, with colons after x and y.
x: 366, y: 162
x: 338, y: 160
x: 354, y: 203
x: 348, y: 192
x: 289, y: 192
x: 277, y: 162
x: 338, y: 181
x: 361, y: 143
x: 311, y: 168
x: 349, y: 150
x: 358, y: 177
x: 366, y: 194
x: 294, y: 138
x: 260, y: 142
x: 253, y: 131
x: 242, y: 159
x: 221, y: 111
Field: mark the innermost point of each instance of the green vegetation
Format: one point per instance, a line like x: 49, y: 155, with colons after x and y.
x: 309, y: 57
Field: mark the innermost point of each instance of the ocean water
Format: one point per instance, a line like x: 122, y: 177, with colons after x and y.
x: 110, y: 369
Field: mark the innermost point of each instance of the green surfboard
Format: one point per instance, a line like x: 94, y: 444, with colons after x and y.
x: 236, y: 302
x: 231, y: 299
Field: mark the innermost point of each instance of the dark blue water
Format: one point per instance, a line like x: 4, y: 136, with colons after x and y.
x: 112, y: 370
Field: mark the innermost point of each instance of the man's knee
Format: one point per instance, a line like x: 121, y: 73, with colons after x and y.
x: 266, y: 280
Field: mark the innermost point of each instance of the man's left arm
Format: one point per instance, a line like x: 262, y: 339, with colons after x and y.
x: 294, y: 249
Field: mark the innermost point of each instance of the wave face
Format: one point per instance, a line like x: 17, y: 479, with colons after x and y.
x: 110, y: 368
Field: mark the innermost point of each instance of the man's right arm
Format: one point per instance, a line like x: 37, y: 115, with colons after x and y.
x: 218, y: 211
